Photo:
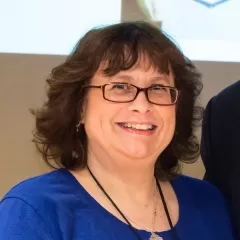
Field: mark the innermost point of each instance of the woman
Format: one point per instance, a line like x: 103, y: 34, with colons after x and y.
x: 120, y: 113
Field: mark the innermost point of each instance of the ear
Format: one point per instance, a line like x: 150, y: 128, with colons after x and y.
x: 82, y: 120
x: 83, y: 112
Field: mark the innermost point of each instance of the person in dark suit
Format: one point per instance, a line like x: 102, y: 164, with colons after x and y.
x: 220, y: 148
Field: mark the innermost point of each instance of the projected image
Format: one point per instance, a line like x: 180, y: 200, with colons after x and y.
x: 52, y: 26
x: 211, y: 3
x: 148, y: 10
x: 151, y: 11
x: 205, y: 30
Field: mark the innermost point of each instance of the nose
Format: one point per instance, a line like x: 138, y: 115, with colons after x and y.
x: 140, y: 104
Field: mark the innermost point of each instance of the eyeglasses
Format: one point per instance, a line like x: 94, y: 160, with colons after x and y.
x: 123, y: 92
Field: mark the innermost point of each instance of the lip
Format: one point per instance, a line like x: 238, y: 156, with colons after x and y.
x: 133, y: 122
x: 138, y: 131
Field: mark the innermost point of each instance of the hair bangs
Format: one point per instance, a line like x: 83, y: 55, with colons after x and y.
x: 124, y: 55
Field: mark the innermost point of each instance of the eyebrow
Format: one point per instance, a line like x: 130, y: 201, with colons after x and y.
x: 153, y: 80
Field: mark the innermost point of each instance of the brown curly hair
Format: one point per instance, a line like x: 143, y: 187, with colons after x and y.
x: 120, y: 46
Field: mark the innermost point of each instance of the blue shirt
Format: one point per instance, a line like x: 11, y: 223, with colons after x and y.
x: 55, y: 206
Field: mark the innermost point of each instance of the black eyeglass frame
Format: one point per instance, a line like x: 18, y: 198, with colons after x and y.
x: 139, y: 89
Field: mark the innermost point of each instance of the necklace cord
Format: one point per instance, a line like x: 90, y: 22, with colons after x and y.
x: 120, y: 212
x: 113, y: 203
x: 166, y: 209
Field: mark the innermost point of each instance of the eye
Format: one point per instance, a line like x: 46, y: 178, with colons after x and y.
x: 119, y: 86
x: 159, y: 88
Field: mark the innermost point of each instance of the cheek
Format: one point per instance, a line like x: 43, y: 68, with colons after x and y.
x: 91, y: 113
x: 93, y: 124
x: 99, y: 114
x: 169, y: 119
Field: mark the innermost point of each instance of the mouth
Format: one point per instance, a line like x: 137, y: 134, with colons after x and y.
x: 138, y: 126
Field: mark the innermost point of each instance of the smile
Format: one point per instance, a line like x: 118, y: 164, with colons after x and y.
x: 138, y: 126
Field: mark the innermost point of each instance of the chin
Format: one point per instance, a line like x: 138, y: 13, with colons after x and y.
x: 138, y: 153
x: 138, y: 149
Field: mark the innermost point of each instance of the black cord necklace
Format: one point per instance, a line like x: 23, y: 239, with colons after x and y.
x: 134, y: 230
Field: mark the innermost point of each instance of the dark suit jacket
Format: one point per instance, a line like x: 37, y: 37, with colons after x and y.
x: 220, y: 148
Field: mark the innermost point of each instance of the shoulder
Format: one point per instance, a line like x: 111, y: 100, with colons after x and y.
x: 39, y: 186
x: 47, y: 203
x: 28, y: 210
x: 231, y: 89
x: 48, y: 191
x: 202, y: 201
x: 229, y: 97
x: 199, y: 190
x: 201, y: 196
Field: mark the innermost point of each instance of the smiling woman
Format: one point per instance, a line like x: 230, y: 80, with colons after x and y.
x: 122, y: 53
x: 121, y: 114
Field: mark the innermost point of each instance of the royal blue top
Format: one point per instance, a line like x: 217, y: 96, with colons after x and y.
x: 54, y: 206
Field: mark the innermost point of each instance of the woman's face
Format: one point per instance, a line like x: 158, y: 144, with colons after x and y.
x: 114, y: 127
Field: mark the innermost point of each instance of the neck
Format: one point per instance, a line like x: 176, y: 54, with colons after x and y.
x: 132, y: 181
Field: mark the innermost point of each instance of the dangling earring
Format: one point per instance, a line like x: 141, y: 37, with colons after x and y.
x: 78, y: 126
x: 75, y: 155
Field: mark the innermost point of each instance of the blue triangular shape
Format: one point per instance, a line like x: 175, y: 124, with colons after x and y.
x: 210, y: 4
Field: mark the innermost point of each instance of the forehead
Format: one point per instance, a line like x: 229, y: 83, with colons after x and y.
x: 142, y: 71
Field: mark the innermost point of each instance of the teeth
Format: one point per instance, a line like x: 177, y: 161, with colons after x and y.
x: 139, y: 126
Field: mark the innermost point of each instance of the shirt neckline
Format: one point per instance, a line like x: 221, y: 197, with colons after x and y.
x: 91, y: 200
